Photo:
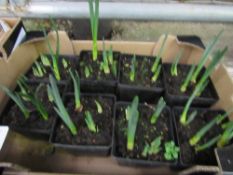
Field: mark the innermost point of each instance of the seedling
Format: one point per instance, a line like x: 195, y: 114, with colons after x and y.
x: 45, y: 60
x: 175, y: 62
x: 226, y: 136
x: 198, y: 136
x: 18, y: 101
x: 156, y: 74
x: 185, y: 84
x: 171, y: 151
x: 159, y: 108
x: 158, y: 57
x: 94, y: 17
x: 153, y: 148
x: 204, y: 56
x: 65, y: 63
x: 90, y: 122
x: 76, y: 84
x: 99, y: 107
x: 199, y: 87
x: 113, y: 63
x: 60, y: 108
x: 87, y: 72
x: 132, y: 115
x: 38, y: 70
x: 208, y: 144
x: 203, y: 87
x: 133, y: 66
x: 55, y: 56
x: 31, y: 96
x: 104, y: 64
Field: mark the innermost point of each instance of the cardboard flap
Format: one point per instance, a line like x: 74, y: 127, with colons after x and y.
x: 66, y: 47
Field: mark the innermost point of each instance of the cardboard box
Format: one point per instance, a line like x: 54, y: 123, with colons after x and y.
x: 22, y: 58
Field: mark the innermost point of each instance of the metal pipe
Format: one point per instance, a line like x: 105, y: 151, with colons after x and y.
x: 125, y: 10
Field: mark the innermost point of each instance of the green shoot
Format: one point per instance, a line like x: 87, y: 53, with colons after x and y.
x: 159, y: 108
x: 158, y: 57
x: 65, y: 63
x: 171, y: 151
x: 87, y: 72
x: 133, y: 69
x: 153, y: 148
x: 110, y: 55
x: 199, y: 87
x: 208, y: 144
x: 226, y: 136
x: 185, y: 84
x: 55, y: 56
x: 132, y: 115
x: 198, y: 136
x: 191, y: 117
x: 32, y: 97
x: 18, y: 101
x: 94, y: 17
x: 114, y: 68
x: 216, y: 58
x: 49, y: 93
x: 203, y: 87
x: 76, y: 84
x: 45, y: 60
x: 174, y: 64
x: 204, y: 56
x: 104, y: 64
x: 156, y: 74
x: 60, y: 108
x: 99, y: 107
x: 28, y: 95
x: 90, y: 122
x: 38, y: 70
x: 23, y: 87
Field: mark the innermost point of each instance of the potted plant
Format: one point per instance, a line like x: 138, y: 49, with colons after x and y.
x: 201, y: 135
x: 85, y: 124
x: 29, y: 111
x: 54, y: 63
x: 98, y: 69
x: 180, y: 80
x: 143, y: 134
x: 141, y: 75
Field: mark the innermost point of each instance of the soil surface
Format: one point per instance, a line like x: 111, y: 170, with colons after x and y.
x: 173, y: 83
x: 94, y: 66
x: 103, y: 121
x: 63, y: 71
x: 143, y: 71
x: 13, y: 116
x: 188, y: 154
x: 145, y: 133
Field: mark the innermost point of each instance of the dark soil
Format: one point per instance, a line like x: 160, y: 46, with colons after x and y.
x: 96, y: 73
x: 188, y: 154
x: 173, y: 83
x: 13, y: 116
x: 145, y: 133
x: 63, y: 71
x: 104, y: 122
x: 143, y: 71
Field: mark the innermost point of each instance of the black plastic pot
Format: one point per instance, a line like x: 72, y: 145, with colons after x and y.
x: 140, y: 162
x: 126, y: 92
x: 95, y: 85
x: 100, y: 150
x: 208, y: 97
x: 201, y: 156
x: 72, y: 59
x: 31, y: 132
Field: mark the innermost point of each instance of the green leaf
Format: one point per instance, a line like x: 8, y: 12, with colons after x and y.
x: 159, y: 108
x: 90, y: 122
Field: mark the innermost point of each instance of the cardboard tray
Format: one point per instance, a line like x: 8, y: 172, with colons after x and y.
x: 21, y: 59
